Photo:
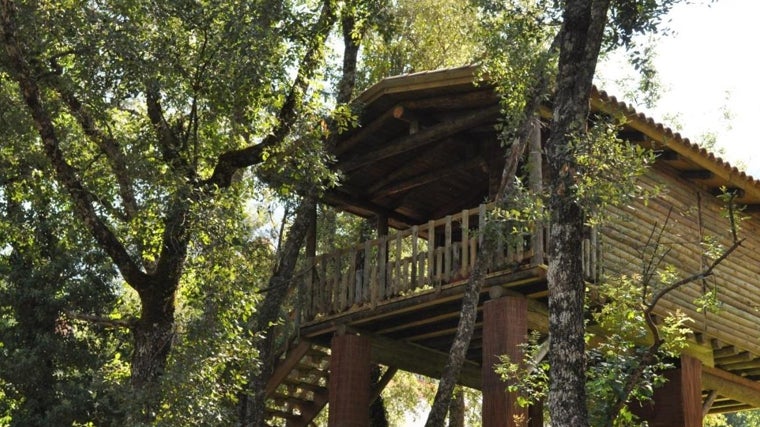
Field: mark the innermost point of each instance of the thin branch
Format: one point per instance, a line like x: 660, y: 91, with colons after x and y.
x: 107, y: 144
x: 694, y: 277
x: 100, y: 320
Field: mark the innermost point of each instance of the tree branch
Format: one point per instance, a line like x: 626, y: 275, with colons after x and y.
x: 100, y: 320
x: 694, y: 277
x: 107, y: 144
x: 65, y: 174
x: 229, y: 162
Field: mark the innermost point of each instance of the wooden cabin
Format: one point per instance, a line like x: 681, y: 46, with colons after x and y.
x: 423, y: 165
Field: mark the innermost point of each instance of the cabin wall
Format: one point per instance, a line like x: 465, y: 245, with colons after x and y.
x: 688, y: 215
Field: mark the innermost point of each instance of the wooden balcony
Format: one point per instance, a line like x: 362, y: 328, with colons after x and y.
x: 422, y: 259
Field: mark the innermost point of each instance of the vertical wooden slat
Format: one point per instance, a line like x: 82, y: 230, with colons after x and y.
x: 431, y: 250
x: 594, y: 253
x: 352, y: 279
x: 397, y: 280
x: 382, y: 268
x: 465, y: 226
x: 345, y: 282
x: 481, y: 223
x: 473, y: 252
x: 439, y: 265
x: 365, y: 285
x: 413, y: 275
x: 448, y: 250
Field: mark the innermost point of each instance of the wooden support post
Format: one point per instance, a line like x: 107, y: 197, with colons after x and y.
x: 349, y: 387
x: 505, y: 327
x: 678, y: 403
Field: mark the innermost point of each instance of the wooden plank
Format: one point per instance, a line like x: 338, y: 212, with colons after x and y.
x: 365, y: 294
x: 421, y: 138
x: 292, y: 359
x: 732, y: 386
x: 431, y: 251
x: 418, y: 359
x: 465, y: 227
x: 415, y: 253
x: 448, y: 250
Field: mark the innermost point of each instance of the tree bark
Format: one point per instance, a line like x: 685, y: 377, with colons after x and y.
x: 466, y: 325
x: 457, y: 408
x: 580, y: 41
x: 252, y: 406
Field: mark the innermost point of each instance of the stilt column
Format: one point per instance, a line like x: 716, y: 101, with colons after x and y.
x: 505, y: 327
x: 678, y: 403
x: 349, y: 388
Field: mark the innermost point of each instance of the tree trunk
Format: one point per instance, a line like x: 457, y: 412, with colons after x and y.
x: 377, y: 414
x: 153, y: 336
x: 580, y: 41
x: 456, y: 409
x: 252, y: 406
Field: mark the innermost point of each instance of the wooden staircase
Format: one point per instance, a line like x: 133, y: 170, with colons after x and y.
x: 297, y: 391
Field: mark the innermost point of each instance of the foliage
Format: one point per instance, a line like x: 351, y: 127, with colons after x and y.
x: 519, y: 55
x: 419, y: 35
x: 215, y: 351
x: 52, y: 366
x: 608, y: 170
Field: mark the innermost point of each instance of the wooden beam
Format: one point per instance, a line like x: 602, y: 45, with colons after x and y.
x: 731, y: 386
x: 286, y: 366
x: 418, y: 359
x: 380, y: 386
x: 428, y: 177
x: 362, y: 133
x: 412, y: 164
x: 337, y: 197
x: 708, y: 403
x: 738, y: 192
x: 455, y: 101
x: 421, y: 138
x: 700, y: 174
x: 669, y: 156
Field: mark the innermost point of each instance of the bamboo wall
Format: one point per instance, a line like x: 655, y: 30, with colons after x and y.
x: 693, y: 215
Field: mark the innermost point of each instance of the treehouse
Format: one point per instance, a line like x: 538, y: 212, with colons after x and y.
x: 424, y: 165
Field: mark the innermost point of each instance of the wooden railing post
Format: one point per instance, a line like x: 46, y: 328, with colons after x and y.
x: 431, y: 251
x: 465, y: 240
x: 447, y: 265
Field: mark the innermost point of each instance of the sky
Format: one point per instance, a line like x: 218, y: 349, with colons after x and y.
x: 708, y: 70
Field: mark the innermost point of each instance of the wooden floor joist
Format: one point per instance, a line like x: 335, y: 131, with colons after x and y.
x: 731, y: 386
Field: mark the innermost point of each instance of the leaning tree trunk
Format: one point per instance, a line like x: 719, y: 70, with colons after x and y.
x: 580, y: 41
x: 252, y: 405
x: 468, y: 312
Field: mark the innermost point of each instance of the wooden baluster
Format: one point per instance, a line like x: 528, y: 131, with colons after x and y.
x: 413, y: 276
x: 398, y: 279
x: 382, y: 265
x: 341, y: 287
x: 465, y: 227
x: 439, y: 266
x: 352, y: 279
x: 363, y: 294
x: 431, y: 251
x: 447, y: 251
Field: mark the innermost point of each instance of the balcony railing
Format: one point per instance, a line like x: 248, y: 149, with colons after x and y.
x: 413, y: 260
